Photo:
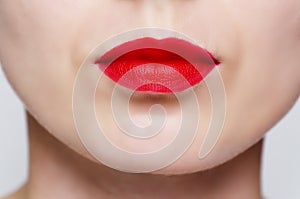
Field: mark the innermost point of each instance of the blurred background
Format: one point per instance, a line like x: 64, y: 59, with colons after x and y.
x: 281, y: 160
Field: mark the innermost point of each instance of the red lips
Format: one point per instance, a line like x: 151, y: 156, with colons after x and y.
x: 159, y: 66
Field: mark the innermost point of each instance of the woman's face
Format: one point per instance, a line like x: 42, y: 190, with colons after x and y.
x: 43, y: 43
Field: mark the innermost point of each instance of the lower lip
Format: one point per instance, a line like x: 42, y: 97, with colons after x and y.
x: 157, y: 69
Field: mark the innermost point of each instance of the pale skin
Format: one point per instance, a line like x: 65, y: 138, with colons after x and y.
x: 43, y: 44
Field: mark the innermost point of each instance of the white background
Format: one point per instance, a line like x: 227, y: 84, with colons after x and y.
x: 281, y: 163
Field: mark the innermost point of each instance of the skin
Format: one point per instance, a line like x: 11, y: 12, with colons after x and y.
x: 258, y: 43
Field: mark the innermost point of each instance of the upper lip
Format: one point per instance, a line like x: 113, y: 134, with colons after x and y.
x: 187, y: 50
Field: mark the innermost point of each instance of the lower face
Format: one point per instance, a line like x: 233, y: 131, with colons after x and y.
x: 257, y: 42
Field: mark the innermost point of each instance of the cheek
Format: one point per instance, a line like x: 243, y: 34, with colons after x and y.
x: 36, y: 39
x: 264, y: 82
x: 42, y: 46
x: 270, y: 45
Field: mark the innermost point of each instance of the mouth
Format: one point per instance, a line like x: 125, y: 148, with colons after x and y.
x: 157, y: 65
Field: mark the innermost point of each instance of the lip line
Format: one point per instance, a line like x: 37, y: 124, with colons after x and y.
x: 187, y: 48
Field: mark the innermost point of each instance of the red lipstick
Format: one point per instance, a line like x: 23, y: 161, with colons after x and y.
x: 157, y: 65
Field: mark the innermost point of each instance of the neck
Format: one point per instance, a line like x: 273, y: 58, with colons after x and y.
x: 58, y: 172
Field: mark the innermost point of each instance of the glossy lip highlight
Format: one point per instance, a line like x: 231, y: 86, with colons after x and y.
x: 157, y: 65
